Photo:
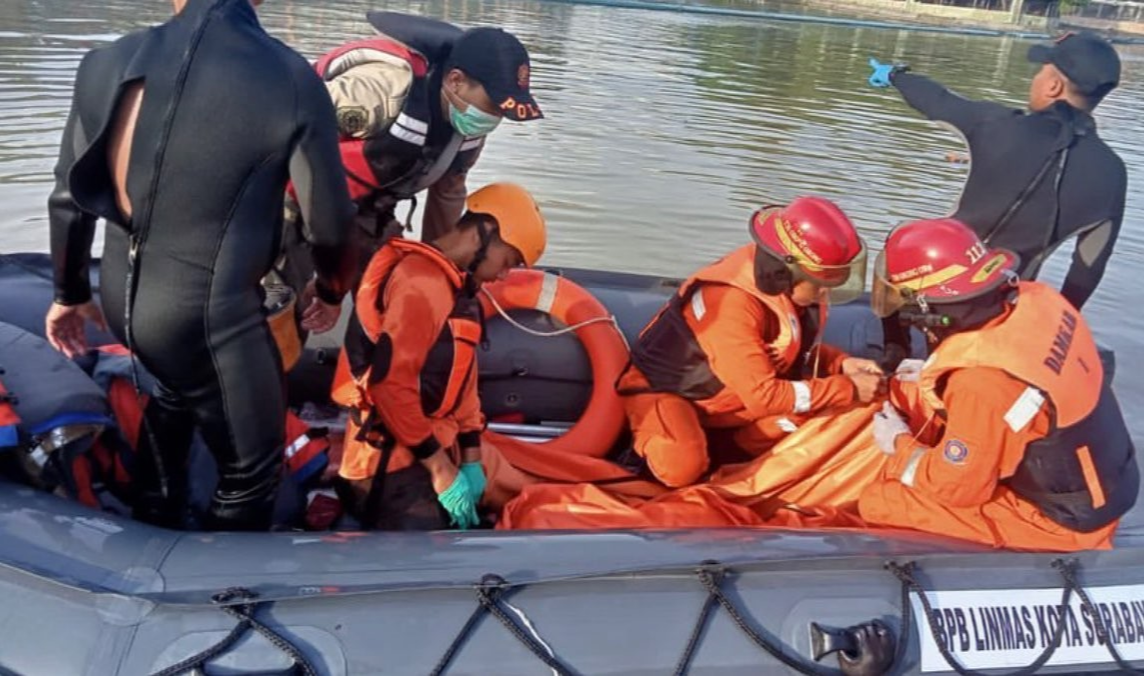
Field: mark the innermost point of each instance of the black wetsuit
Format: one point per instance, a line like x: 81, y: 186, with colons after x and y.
x: 1008, y: 149
x: 229, y: 114
x: 1036, y: 180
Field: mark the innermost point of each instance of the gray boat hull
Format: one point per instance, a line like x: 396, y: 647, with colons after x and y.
x: 132, y: 599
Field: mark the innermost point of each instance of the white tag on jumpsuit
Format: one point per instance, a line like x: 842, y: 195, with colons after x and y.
x: 1025, y: 407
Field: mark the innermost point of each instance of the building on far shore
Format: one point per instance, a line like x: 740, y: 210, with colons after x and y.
x: 1119, y: 16
x: 1116, y: 18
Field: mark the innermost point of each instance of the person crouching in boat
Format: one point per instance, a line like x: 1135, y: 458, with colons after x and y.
x: 412, y: 455
x: 1010, y: 437
x: 738, y: 346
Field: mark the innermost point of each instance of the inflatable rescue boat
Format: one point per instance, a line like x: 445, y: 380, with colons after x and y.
x: 91, y: 592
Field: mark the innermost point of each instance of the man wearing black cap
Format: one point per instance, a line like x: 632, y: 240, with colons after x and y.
x: 1040, y: 178
x: 414, y: 106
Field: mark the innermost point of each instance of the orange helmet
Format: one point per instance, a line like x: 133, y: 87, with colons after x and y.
x: 937, y: 260
x: 519, y: 220
x: 817, y: 242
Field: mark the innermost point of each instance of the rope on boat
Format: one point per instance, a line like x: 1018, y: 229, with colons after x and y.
x: 244, y: 613
x: 611, y: 319
x: 697, y: 632
x: 1067, y: 569
x: 712, y: 575
x: 489, y: 591
x: 1069, y: 572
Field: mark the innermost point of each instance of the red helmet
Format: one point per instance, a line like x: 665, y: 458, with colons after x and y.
x: 937, y: 260
x: 817, y: 242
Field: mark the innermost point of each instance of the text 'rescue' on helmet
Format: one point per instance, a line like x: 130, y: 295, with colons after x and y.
x: 935, y: 261
x: 812, y: 240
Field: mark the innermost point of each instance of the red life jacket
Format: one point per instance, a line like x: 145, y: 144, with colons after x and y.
x: 306, y: 451
x: 398, y: 161
x: 9, y: 434
x: 50, y: 417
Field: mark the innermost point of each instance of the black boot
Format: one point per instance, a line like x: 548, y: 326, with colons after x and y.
x: 160, y: 468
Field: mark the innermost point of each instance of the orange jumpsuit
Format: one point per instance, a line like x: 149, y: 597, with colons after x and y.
x: 418, y: 298
x: 750, y: 342
x: 972, y: 427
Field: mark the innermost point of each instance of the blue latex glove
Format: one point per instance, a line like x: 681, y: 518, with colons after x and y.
x: 475, y: 473
x: 882, y: 75
x: 458, y: 502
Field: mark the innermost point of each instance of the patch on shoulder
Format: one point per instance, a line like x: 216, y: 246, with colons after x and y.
x: 955, y: 452
x: 352, y: 120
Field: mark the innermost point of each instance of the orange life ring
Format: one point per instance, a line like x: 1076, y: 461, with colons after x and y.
x: 603, y: 419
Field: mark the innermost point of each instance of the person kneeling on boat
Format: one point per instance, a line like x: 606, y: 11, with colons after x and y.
x: 408, y: 369
x: 1008, y: 434
x: 738, y: 346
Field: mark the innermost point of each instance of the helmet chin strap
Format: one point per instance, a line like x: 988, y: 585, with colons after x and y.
x: 824, y: 310
x: 954, y: 317
x: 936, y: 326
x: 486, y: 237
x: 924, y: 319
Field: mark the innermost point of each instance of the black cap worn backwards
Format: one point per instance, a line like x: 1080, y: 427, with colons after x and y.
x: 499, y: 61
x: 1089, y: 61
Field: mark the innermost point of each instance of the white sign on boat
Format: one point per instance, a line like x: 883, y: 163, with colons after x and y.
x: 996, y: 629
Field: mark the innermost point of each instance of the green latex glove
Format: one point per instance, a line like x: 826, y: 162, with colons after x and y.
x: 458, y: 502
x: 475, y: 473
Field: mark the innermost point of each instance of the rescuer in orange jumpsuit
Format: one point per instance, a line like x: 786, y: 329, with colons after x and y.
x: 408, y: 370
x: 738, y: 346
x: 1011, y: 437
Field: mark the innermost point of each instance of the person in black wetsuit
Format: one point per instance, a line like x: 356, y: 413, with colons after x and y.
x: 183, y: 137
x: 1036, y: 179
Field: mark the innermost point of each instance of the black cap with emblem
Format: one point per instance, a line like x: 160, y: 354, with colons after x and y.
x: 497, y: 59
x: 492, y: 56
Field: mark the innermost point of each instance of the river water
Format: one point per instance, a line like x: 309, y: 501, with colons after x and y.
x: 663, y: 130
